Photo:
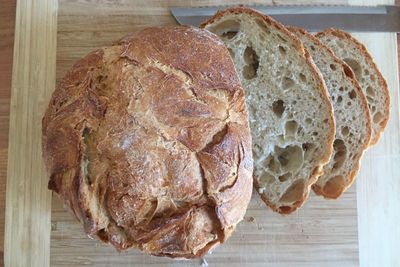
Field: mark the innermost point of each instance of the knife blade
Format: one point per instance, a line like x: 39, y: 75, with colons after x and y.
x: 313, y: 18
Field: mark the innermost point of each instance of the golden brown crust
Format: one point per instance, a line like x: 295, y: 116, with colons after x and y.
x: 382, y: 81
x: 148, y: 142
x: 364, y: 104
x: 324, y: 92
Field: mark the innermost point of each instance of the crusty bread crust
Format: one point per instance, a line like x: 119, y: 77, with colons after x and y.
x: 322, y: 87
x: 344, y: 35
x: 148, y: 143
x: 319, y: 189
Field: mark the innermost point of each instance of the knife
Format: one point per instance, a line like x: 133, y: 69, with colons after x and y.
x: 312, y: 18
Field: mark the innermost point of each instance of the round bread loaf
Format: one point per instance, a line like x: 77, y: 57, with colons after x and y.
x: 147, y: 141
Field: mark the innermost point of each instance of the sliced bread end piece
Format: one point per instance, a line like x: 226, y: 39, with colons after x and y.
x: 353, y: 122
x: 374, y: 86
x: 291, y: 115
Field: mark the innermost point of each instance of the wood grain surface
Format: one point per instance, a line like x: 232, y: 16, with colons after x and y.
x: 322, y: 233
x: 7, y: 20
x: 28, y: 203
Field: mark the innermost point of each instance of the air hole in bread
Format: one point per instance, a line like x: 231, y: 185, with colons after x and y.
x: 282, y: 50
x: 250, y: 56
x: 349, y: 103
x: 249, y: 72
x: 278, y: 108
x: 372, y: 77
x: 306, y: 146
x: 226, y: 29
x: 355, y: 66
x: 308, y: 149
x: 373, y: 109
x: 294, y: 193
x: 252, y: 60
x: 308, y: 120
x: 284, y: 177
x: 272, y: 165
x: 291, y: 128
x: 302, y: 77
x: 370, y: 92
x: 229, y: 35
x: 341, y: 89
x: 340, y: 154
x: 339, y: 99
x: 315, y: 133
x: 334, y: 186
x: 366, y: 72
x: 377, y: 117
x: 290, y: 158
x: 352, y: 94
x: 287, y: 83
x: 266, y: 179
x: 345, y: 130
x: 313, y: 48
x: 332, y: 66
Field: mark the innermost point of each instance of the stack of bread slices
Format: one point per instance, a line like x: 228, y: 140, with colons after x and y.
x: 316, y: 103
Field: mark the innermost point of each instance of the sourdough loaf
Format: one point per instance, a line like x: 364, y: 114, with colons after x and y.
x: 291, y: 116
x: 147, y: 141
x: 353, y: 122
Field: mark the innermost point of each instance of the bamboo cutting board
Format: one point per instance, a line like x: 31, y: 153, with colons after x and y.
x: 358, y: 229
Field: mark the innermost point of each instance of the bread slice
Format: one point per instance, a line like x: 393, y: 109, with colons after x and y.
x: 291, y: 116
x: 353, y: 122
x: 374, y: 86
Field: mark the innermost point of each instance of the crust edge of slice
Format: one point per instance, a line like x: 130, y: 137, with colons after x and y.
x: 364, y: 104
x: 367, y: 55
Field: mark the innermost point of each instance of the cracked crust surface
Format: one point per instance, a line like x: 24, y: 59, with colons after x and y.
x: 290, y: 112
x: 147, y: 141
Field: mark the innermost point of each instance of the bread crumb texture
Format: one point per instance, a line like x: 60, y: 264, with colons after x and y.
x: 291, y: 116
x: 373, y: 85
x: 353, y: 122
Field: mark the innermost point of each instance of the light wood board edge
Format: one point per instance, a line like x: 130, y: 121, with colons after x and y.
x: 378, y: 185
x: 28, y: 202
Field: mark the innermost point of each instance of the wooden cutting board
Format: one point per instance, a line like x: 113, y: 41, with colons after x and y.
x: 358, y: 229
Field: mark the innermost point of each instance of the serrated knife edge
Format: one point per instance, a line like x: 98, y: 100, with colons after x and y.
x: 313, y: 18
